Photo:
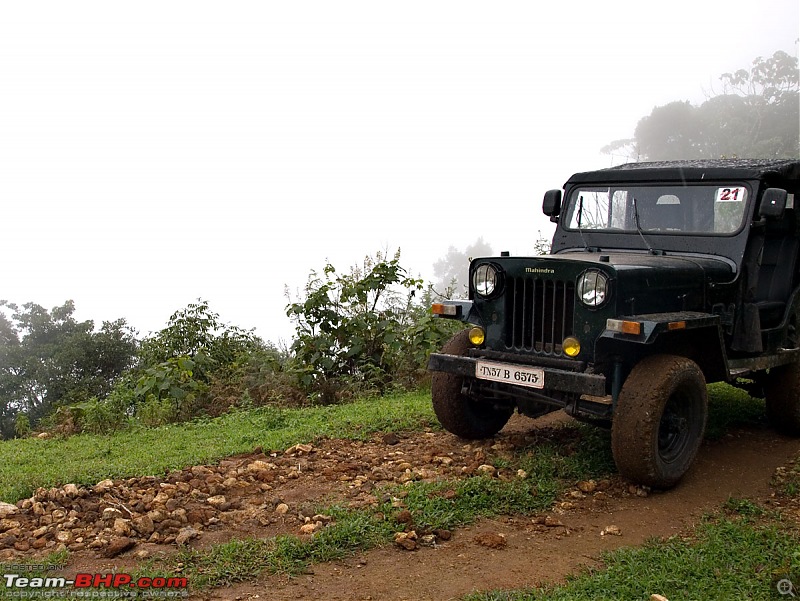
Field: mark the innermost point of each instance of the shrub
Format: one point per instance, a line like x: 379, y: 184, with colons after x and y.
x: 363, y: 331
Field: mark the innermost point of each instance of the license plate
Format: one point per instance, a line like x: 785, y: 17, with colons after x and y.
x: 532, y: 377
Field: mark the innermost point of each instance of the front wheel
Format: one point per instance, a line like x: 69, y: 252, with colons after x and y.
x: 659, y: 420
x: 458, y: 413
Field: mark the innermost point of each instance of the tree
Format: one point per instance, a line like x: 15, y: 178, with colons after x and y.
x: 542, y: 245
x: 451, y: 270
x: 757, y: 115
x: 49, y: 359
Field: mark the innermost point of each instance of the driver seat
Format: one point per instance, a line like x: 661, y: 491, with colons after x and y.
x: 776, y: 271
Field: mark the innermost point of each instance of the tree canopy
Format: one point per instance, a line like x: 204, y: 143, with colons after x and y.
x: 48, y: 358
x: 756, y: 115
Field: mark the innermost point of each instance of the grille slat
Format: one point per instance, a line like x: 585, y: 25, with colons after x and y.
x: 539, y: 314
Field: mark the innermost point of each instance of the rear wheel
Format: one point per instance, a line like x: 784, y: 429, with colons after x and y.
x: 782, y: 392
x: 458, y: 413
x: 659, y: 420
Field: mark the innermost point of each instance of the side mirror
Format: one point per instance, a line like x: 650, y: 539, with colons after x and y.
x: 773, y: 203
x: 552, y: 204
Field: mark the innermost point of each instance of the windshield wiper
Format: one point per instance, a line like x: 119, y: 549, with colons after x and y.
x: 586, y: 246
x: 639, y: 229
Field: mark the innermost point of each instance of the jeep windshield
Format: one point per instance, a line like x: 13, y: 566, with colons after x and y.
x: 691, y: 209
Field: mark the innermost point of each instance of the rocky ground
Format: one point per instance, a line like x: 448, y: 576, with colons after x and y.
x: 116, y: 523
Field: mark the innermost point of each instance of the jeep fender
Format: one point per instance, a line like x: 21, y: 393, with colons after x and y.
x: 697, y: 336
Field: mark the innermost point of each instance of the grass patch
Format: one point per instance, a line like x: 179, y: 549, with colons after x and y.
x: 728, y: 558
x: 743, y: 507
x: 86, y: 459
x: 242, y: 560
x: 550, y: 466
x: 730, y: 407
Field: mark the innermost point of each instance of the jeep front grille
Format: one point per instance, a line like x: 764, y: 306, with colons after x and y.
x: 539, y: 314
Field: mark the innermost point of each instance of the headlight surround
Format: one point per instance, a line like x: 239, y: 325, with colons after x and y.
x: 486, y: 280
x: 592, y: 289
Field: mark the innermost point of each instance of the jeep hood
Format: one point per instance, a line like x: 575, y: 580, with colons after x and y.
x: 649, y: 283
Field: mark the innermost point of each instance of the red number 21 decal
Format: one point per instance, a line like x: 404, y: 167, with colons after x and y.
x: 729, y: 194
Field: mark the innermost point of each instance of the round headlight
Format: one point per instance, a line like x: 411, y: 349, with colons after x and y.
x: 485, y: 279
x: 593, y: 288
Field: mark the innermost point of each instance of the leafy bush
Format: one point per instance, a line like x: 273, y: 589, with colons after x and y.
x: 178, y: 364
x: 178, y: 382
x: 362, y: 331
x: 263, y: 377
x: 22, y: 425
x: 198, y: 330
x: 156, y: 412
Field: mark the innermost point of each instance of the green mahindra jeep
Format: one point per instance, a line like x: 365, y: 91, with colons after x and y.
x: 662, y: 277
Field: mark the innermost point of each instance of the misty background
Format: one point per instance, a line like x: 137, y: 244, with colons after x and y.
x: 155, y: 153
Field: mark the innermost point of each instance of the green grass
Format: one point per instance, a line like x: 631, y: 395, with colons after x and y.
x: 242, y: 560
x: 26, y: 464
x: 731, y: 407
x: 728, y: 558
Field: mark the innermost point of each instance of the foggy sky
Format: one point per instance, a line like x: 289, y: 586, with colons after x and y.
x: 152, y: 153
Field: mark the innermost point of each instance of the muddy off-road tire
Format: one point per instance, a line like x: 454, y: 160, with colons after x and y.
x: 460, y: 414
x: 782, y: 392
x: 659, y: 420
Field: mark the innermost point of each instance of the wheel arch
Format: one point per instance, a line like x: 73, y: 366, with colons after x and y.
x: 705, y: 346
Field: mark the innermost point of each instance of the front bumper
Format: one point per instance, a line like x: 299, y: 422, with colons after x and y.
x: 554, y: 379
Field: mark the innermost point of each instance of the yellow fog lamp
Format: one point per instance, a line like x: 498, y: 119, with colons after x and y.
x: 477, y: 336
x: 571, y: 346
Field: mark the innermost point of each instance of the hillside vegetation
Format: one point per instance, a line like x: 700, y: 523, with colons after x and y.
x: 364, y: 332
